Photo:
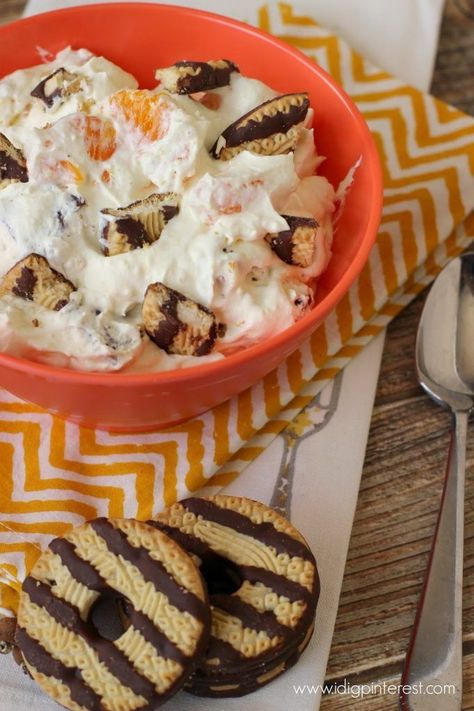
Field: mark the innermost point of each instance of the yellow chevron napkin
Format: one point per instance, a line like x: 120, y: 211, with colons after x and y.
x: 55, y: 474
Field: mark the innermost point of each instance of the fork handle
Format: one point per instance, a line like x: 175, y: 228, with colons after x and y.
x: 434, y: 654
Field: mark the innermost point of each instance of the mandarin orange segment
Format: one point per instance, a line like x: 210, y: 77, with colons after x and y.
x: 144, y: 110
x: 99, y: 137
x: 71, y: 170
x: 209, y: 100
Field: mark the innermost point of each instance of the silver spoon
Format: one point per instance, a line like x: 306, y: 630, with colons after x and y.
x: 445, y: 365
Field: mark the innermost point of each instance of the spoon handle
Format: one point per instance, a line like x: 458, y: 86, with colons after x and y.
x: 434, y: 655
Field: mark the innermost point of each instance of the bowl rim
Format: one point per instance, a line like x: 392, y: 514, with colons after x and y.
x: 316, y: 314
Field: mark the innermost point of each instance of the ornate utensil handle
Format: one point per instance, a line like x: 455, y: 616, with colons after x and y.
x: 432, y: 678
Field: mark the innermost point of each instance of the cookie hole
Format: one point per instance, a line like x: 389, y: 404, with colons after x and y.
x: 108, y: 616
x: 222, y: 577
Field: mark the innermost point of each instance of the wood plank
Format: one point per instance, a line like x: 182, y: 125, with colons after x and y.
x: 454, y: 70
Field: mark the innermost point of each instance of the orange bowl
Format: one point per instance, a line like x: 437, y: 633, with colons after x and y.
x: 140, y: 37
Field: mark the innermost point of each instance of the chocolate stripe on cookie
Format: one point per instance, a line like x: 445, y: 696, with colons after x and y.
x: 224, y: 651
x: 79, y: 569
x: 234, y: 668
x: 264, y: 532
x: 190, y: 543
x: 85, y: 573
x: 152, y: 570
x: 210, y: 681
x: 43, y: 662
x: 166, y: 648
x: 279, y: 584
x: 282, y: 586
x: 231, y: 672
x: 286, y: 588
x: 68, y: 616
x: 250, y: 616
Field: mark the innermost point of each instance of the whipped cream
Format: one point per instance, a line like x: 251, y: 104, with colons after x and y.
x: 93, y: 150
x: 20, y: 112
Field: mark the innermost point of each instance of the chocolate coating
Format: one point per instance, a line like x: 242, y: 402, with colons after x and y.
x: 296, y: 245
x: 189, y: 77
x: 275, y: 116
x: 54, y: 86
x: 68, y: 616
x: 138, y: 224
x: 176, y: 323
x: 37, y: 656
x: 25, y: 284
x: 86, y: 574
x: 33, y: 279
x: 152, y: 570
x: 264, y: 532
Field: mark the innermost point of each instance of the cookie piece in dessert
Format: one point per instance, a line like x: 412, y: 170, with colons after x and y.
x: 56, y: 87
x: 33, y: 279
x: 187, y: 77
x: 12, y: 163
x: 263, y: 589
x: 177, y: 324
x: 113, y: 615
x: 271, y: 128
x: 297, y: 244
x: 138, y: 224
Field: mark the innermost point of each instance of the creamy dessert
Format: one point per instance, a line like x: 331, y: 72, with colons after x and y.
x: 153, y: 229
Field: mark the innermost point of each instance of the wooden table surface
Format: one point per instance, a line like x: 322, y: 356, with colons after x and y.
x: 403, y: 471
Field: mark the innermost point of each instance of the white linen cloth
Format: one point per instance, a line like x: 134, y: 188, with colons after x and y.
x: 400, y: 37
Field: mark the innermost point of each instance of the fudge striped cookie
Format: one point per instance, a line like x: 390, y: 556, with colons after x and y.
x: 53, y: 89
x: 297, y: 245
x: 12, y: 163
x: 187, y: 77
x: 34, y: 279
x: 137, y: 225
x: 271, y: 128
x: 113, y: 617
x: 177, y: 324
x: 263, y: 589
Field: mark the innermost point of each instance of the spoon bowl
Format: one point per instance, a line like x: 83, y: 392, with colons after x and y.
x: 445, y: 339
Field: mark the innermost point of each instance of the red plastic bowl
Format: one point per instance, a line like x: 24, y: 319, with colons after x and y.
x: 140, y: 37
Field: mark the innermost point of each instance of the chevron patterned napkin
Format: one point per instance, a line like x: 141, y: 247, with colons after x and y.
x: 56, y: 474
